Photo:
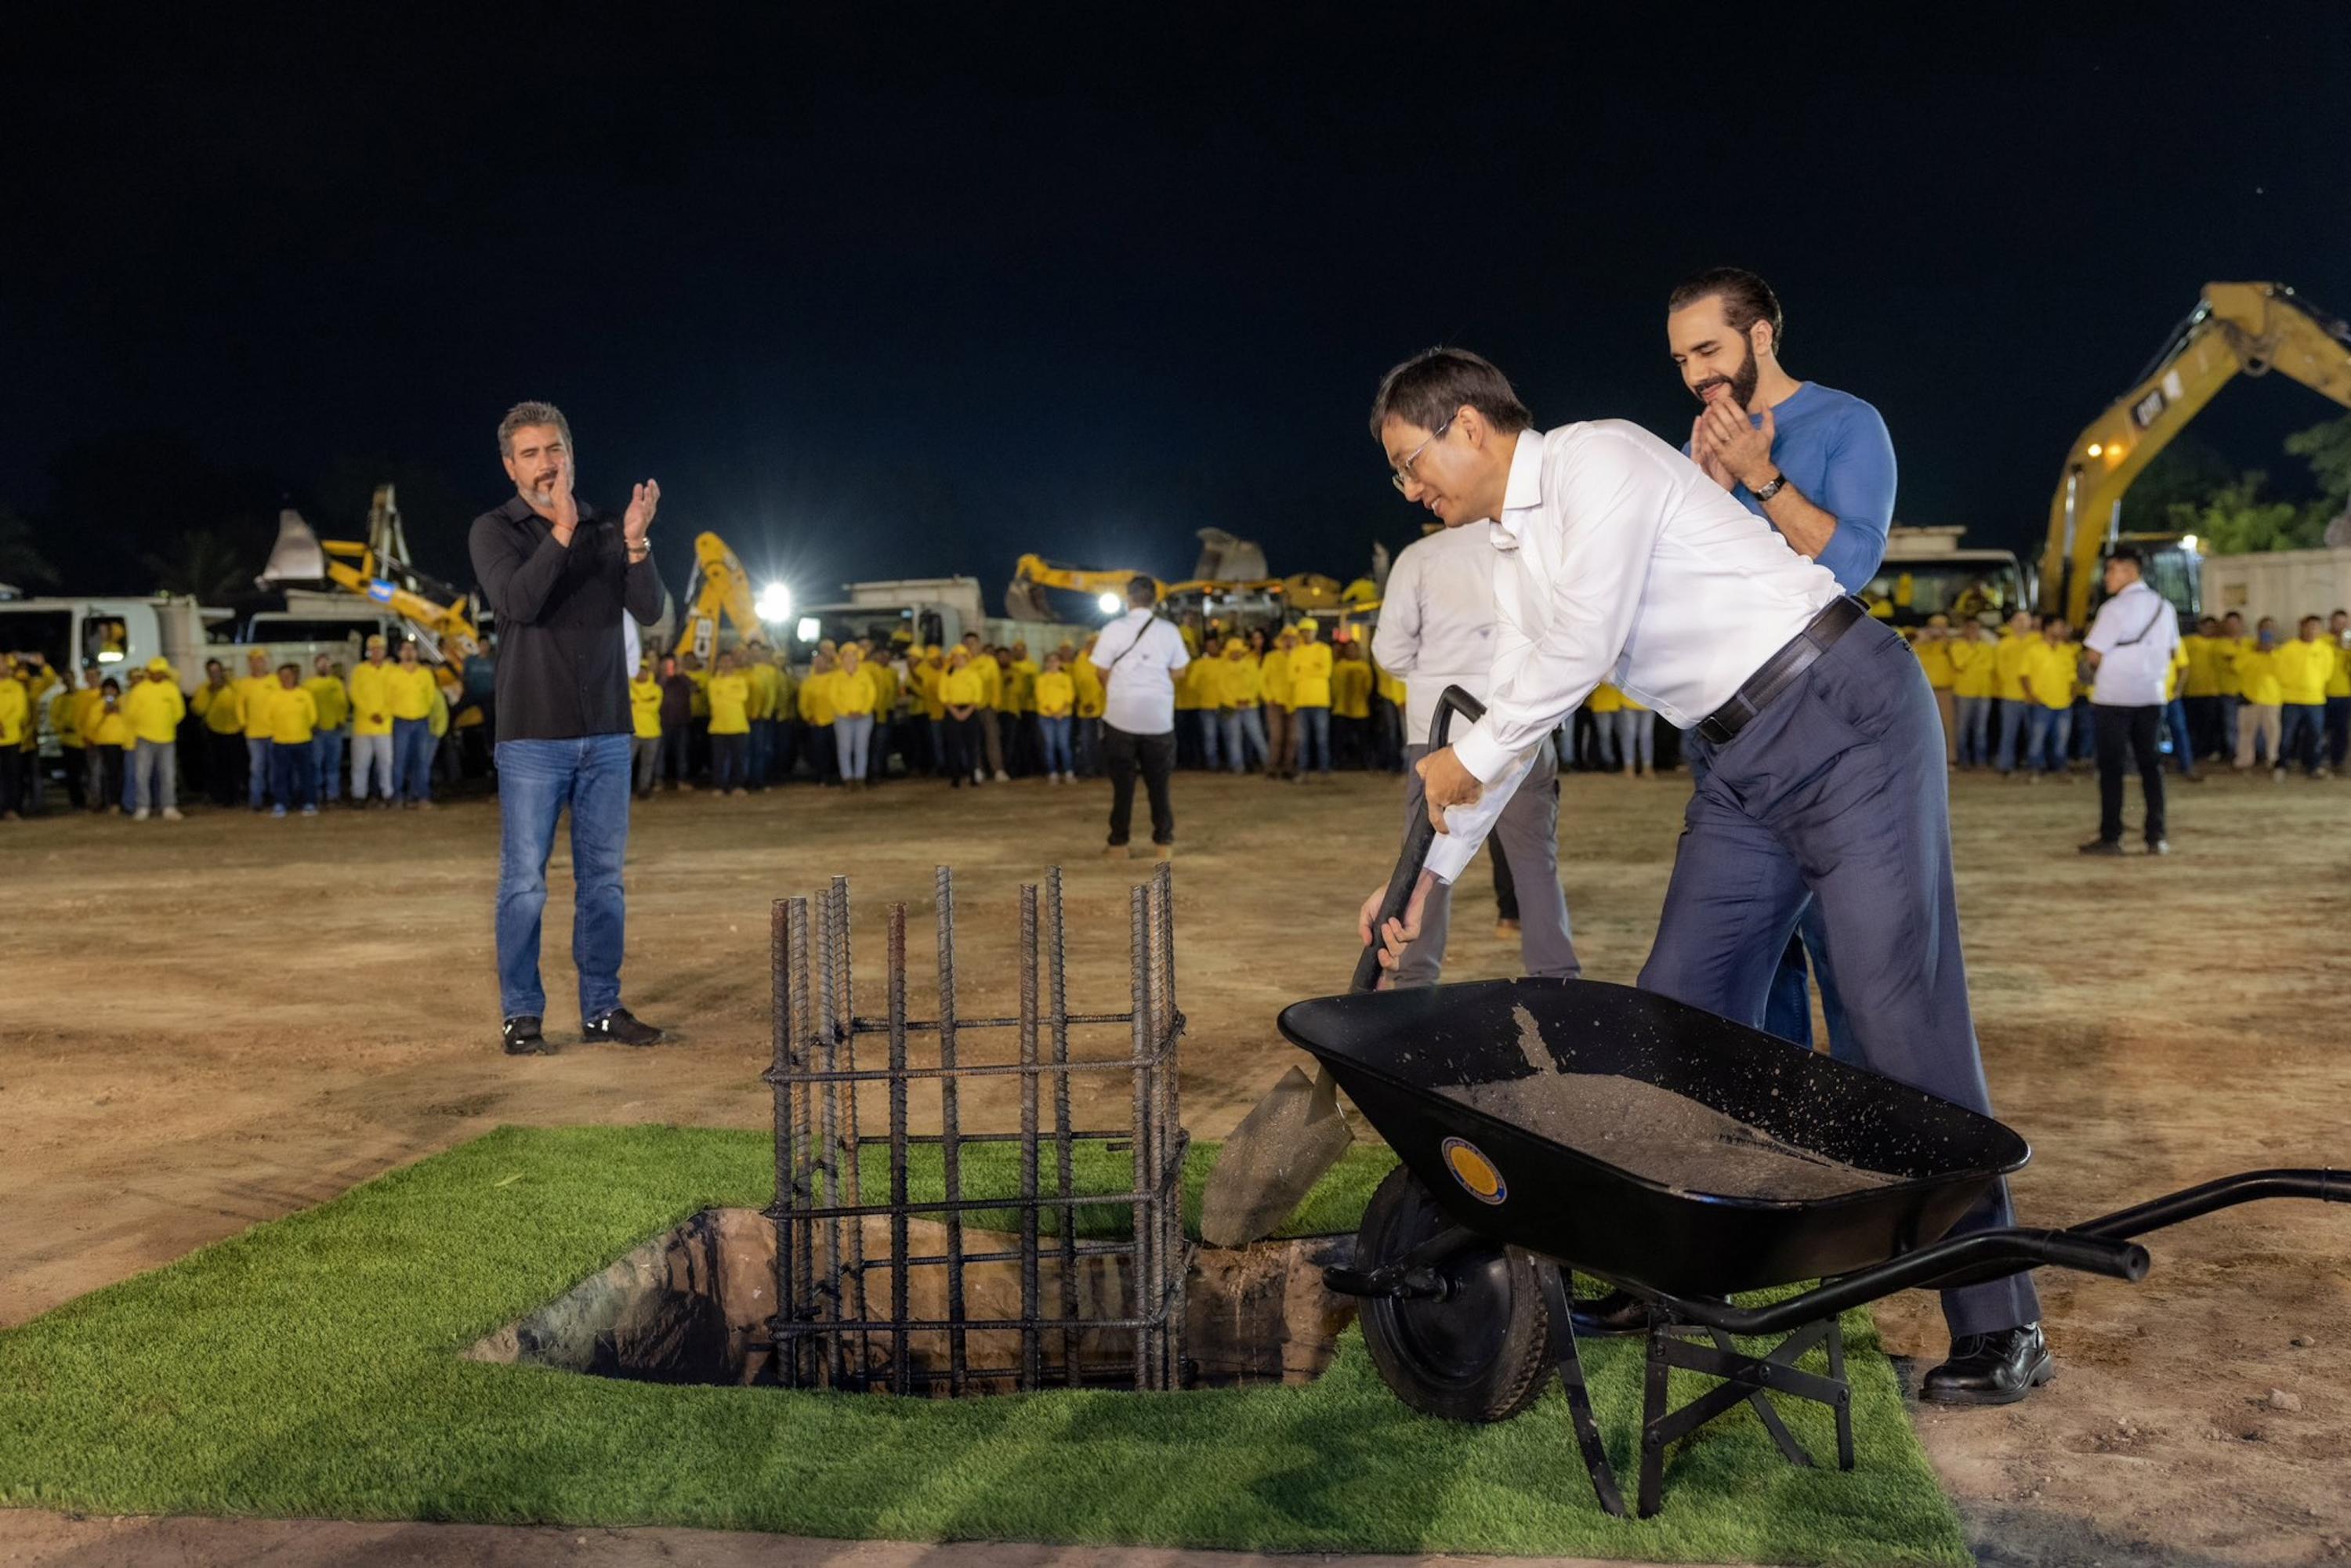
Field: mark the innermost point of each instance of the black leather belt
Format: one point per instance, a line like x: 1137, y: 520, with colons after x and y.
x: 1780, y: 670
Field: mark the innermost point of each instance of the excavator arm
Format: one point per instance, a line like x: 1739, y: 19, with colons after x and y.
x: 2248, y: 328
x: 1023, y: 602
x: 719, y: 586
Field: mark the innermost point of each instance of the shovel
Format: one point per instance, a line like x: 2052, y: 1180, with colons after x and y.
x: 1291, y: 1138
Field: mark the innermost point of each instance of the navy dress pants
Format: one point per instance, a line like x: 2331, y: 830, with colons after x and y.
x: 1836, y: 792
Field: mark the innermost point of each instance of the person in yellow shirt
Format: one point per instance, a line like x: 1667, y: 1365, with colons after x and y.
x: 2050, y: 674
x: 1933, y: 646
x: 153, y: 708
x: 1241, y: 690
x: 1093, y: 698
x: 1273, y: 669
x: 1309, y: 701
x: 107, y: 730
x: 2338, y: 691
x: 15, y: 722
x: 991, y: 680
x: 409, y: 690
x: 1195, y: 721
x: 856, y: 698
x: 729, y: 696
x: 292, y: 715
x: 927, y: 668
x: 963, y: 692
x: 372, y: 743
x: 1971, y: 653
x: 881, y: 669
x: 219, y: 708
x: 1057, y: 704
x: 644, y: 728
x: 2223, y: 650
x: 1603, y: 706
x: 1351, y: 703
x: 333, y: 699
x: 2259, y: 696
x: 254, y: 685
x: 2200, y: 687
x: 2015, y: 708
x: 756, y: 661
x: 2304, y: 667
x: 816, y: 714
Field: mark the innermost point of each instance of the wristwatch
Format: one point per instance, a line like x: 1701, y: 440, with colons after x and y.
x: 1778, y: 484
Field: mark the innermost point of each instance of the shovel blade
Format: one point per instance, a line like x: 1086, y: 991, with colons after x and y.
x: 1288, y: 1142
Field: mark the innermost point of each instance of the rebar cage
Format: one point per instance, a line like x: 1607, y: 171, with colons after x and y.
x: 848, y: 1266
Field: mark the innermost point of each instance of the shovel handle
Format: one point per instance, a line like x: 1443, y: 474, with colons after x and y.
x: 1419, y: 837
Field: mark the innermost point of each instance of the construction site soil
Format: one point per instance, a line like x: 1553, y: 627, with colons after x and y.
x: 217, y: 1022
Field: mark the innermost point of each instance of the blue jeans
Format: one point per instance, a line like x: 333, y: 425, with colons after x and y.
x: 852, y: 733
x: 1313, y: 737
x: 1836, y: 792
x: 2183, y: 751
x: 2302, y: 735
x: 256, y: 771
x: 1636, y: 738
x: 412, y: 758
x: 2013, y: 715
x: 1054, y: 730
x: 1212, y: 732
x: 2051, y: 727
x: 293, y: 777
x: 1975, y: 731
x: 537, y: 779
x: 2228, y: 749
x: 763, y: 751
x: 326, y: 755
x: 2338, y: 730
x: 1244, y: 738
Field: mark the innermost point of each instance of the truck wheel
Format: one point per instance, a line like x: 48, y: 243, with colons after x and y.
x: 1483, y: 1354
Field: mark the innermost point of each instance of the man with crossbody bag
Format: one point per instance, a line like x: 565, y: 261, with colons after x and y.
x: 2130, y: 646
x: 1140, y: 655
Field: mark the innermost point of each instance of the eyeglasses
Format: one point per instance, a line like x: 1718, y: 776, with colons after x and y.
x: 1404, y: 474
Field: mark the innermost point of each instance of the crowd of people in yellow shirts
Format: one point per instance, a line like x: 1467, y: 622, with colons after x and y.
x: 272, y: 739
x: 2016, y: 701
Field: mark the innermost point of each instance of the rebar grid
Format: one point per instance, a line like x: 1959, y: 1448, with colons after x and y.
x: 826, y: 1332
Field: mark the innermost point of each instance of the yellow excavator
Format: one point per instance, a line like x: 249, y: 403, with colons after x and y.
x: 718, y: 587
x: 2236, y: 329
x: 1301, y: 591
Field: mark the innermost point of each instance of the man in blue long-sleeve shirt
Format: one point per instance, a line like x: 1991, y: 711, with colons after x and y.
x: 1816, y: 464
x: 560, y: 578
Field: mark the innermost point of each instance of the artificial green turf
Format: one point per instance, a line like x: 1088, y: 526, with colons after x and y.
x: 309, y: 1367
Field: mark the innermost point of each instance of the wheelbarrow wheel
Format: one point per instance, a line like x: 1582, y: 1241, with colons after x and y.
x: 1481, y: 1354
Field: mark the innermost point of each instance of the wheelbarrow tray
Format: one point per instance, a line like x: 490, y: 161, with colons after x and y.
x: 1395, y: 1052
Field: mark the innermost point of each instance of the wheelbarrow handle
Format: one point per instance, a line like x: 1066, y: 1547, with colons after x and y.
x: 1419, y: 837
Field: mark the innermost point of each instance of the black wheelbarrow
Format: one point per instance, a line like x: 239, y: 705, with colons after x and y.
x: 1546, y: 1126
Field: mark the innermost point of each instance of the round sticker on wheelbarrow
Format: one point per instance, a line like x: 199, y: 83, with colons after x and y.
x: 1474, y: 1171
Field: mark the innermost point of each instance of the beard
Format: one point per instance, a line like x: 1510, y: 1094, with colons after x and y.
x: 1742, y: 381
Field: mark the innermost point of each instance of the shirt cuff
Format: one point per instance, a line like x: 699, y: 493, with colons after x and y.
x: 1482, y: 755
x: 1450, y: 856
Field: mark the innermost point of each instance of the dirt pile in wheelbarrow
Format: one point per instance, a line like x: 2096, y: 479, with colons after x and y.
x: 1658, y: 1134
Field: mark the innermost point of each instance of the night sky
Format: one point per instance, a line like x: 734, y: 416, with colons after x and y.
x: 882, y: 291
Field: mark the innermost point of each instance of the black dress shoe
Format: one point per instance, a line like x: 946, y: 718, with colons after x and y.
x: 523, y: 1039
x: 2102, y: 847
x: 1613, y: 1313
x: 618, y: 1026
x: 1991, y: 1368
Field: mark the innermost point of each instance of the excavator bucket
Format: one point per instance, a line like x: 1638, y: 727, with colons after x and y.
x: 1023, y: 602
x: 296, y: 557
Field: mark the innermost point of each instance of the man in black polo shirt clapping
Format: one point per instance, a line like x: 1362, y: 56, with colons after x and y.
x: 559, y: 576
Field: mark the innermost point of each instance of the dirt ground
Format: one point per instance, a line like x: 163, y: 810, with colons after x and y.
x: 215, y: 1023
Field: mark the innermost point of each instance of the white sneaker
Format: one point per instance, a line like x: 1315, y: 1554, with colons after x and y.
x: 979, y: 776
x: 1002, y: 777
x: 139, y: 815
x: 310, y: 811
x: 172, y: 814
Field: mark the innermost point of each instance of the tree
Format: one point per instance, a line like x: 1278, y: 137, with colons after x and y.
x: 2189, y: 472
x: 21, y: 560
x: 2327, y: 449
x: 205, y: 564
x: 2236, y: 519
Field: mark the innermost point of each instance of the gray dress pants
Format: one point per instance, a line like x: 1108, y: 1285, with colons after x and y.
x: 1838, y: 789
x: 1527, y: 836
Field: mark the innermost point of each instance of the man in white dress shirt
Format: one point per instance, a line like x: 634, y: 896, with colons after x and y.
x: 1437, y: 630
x: 1140, y: 654
x: 2130, y: 646
x: 1619, y: 560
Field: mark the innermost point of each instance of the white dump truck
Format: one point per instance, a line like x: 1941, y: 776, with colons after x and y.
x: 2287, y: 584
x: 1929, y: 571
